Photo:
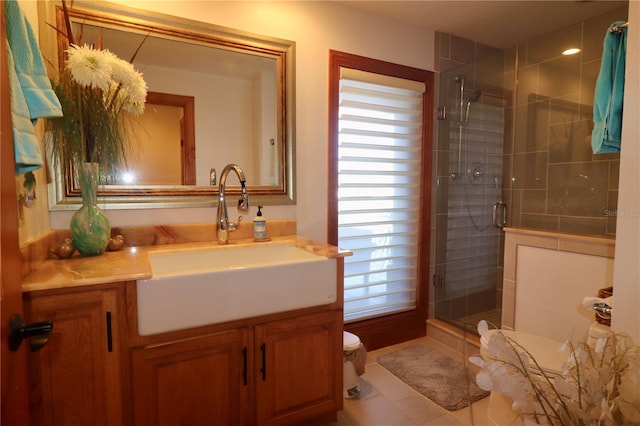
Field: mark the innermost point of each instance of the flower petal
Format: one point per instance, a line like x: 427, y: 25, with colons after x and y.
x: 483, y: 380
x: 476, y: 360
x: 483, y: 327
x: 89, y: 67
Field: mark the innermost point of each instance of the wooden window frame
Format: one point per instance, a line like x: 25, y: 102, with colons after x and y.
x: 394, y: 328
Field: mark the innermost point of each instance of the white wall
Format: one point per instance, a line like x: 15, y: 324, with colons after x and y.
x: 316, y: 27
x: 34, y: 221
x: 550, y: 287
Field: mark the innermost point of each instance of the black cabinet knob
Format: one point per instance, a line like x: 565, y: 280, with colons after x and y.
x: 38, y: 333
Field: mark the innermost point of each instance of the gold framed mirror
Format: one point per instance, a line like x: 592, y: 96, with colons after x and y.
x: 242, y: 109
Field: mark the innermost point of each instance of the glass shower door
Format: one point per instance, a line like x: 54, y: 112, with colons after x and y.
x: 471, y: 137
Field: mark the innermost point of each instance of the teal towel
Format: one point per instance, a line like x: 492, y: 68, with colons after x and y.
x: 609, y: 93
x: 25, y: 142
x: 30, y: 88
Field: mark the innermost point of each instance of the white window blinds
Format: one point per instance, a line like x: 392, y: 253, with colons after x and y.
x: 379, y: 162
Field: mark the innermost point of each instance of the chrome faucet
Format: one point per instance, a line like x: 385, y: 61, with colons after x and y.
x: 223, y: 226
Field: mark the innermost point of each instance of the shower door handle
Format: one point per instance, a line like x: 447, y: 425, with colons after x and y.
x: 499, y: 214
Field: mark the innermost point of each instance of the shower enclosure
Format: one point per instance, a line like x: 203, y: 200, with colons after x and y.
x: 514, y: 149
x: 471, y: 211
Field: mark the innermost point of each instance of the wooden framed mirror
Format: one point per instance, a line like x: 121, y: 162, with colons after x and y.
x: 241, y: 110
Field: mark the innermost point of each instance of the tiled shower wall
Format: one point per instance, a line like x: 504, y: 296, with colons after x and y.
x: 558, y: 184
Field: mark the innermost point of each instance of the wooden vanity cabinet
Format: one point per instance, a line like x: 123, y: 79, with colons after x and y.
x: 279, y: 369
x: 298, y: 369
x: 196, y: 381
x: 77, y: 377
x: 278, y: 372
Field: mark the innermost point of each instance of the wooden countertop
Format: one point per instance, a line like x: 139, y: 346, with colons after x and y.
x: 132, y: 263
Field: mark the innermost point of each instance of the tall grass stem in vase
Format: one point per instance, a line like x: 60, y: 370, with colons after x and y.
x: 100, y: 95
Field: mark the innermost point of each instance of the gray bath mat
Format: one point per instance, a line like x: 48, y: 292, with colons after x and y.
x: 438, y: 377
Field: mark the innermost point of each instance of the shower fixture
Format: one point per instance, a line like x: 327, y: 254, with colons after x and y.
x: 463, y: 112
x: 475, y: 95
x: 460, y: 80
x: 475, y: 173
x: 463, y: 118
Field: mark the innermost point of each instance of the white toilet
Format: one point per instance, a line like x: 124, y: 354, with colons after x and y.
x: 544, y: 351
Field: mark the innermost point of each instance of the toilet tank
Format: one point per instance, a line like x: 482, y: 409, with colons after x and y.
x: 550, y: 286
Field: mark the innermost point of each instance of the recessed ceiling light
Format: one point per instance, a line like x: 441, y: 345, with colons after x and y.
x: 571, y: 51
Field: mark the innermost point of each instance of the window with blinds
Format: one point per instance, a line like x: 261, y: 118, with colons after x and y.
x: 379, y: 155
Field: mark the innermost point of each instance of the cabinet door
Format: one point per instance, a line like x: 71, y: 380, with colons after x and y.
x: 199, y: 381
x: 299, y: 369
x: 77, y: 377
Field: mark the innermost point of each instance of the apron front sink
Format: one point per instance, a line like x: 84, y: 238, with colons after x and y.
x: 196, y: 287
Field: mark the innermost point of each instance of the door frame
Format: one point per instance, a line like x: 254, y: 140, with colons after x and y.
x: 14, y: 388
x: 400, y: 327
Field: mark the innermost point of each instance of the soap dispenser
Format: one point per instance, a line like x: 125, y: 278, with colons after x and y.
x: 259, y: 226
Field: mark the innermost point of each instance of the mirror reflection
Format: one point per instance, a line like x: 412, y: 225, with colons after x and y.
x: 216, y: 97
x: 165, y: 153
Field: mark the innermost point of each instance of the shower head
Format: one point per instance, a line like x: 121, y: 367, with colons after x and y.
x: 475, y: 95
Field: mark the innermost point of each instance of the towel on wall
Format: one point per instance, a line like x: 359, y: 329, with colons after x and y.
x: 25, y: 143
x: 30, y: 88
x: 609, y: 93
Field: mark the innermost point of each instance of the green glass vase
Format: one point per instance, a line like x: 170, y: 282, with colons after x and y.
x: 90, y: 226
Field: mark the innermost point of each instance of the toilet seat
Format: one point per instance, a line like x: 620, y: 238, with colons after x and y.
x: 544, y: 350
x: 350, y: 341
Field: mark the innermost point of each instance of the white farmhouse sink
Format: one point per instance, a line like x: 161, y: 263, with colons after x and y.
x: 191, y: 288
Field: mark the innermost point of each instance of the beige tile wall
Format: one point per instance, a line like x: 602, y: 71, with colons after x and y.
x: 559, y: 184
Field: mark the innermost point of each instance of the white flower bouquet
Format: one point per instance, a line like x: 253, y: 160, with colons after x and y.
x: 100, y: 94
x: 122, y: 86
x: 599, y: 384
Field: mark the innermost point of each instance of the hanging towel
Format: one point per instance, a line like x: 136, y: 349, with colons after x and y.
x: 25, y: 143
x: 30, y: 88
x: 609, y: 93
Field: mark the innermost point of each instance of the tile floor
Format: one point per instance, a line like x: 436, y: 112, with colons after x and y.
x: 385, y: 400
x: 470, y: 322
